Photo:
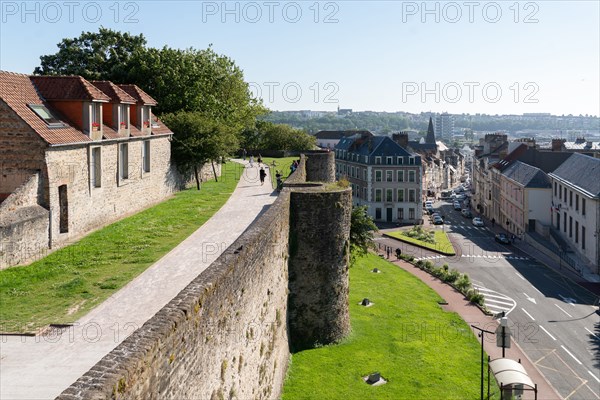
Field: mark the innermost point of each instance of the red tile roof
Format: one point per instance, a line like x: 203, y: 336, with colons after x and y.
x: 116, y: 94
x: 137, y: 93
x: 18, y: 91
x: 162, y: 129
x: 67, y: 88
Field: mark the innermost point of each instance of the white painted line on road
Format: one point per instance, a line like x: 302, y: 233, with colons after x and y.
x: 592, y: 333
x: 531, y: 299
x: 529, y: 315
x: 496, y: 310
x: 520, y: 276
x: 571, y: 354
x: 593, y: 376
x: 548, y: 333
x: 559, y: 307
x: 497, y: 302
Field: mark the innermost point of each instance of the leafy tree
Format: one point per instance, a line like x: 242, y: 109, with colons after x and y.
x: 96, y: 56
x: 195, y: 80
x: 198, y: 140
x: 266, y: 135
x: 361, y: 233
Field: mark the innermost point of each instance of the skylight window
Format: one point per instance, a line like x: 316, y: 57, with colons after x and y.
x: 46, y: 116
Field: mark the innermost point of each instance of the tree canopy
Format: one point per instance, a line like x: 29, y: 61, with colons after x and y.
x: 361, y: 233
x: 266, y: 135
x: 198, y: 140
x: 104, y: 55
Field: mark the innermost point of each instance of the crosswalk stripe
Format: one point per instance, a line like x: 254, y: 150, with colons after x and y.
x: 496, y: 310
x: 497, y: 302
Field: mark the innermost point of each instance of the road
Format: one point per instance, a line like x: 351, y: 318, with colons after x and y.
x: 554, y: 320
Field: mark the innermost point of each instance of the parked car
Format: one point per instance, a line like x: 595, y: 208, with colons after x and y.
x: 437, y: 220
x: 477, y: 221
x: 502, y: 238
x: 457, y: 206
x: 435, y: 214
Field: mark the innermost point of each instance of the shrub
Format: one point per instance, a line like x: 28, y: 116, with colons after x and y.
x: 463, y: 283
x: 451, y: 276
x: 417, y: 232
x: 475, y: 297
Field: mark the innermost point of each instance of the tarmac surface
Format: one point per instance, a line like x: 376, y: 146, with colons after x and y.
x: 43, y: 366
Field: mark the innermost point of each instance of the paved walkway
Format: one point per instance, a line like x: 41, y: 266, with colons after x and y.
x: 472, y: 315
x: 42, y: 367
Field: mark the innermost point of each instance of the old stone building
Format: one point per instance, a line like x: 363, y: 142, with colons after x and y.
x: 74, y: 156
x: 383, y: 175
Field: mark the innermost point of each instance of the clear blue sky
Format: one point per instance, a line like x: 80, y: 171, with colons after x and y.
x: 461, y: 57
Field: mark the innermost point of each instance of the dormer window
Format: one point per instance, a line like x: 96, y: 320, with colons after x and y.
x: 47, y: 116
x: 96, y: 116
x: 123, y: 116
x: 145, y: 117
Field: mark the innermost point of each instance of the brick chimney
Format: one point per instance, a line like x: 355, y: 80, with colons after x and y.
x: 401, y: 139
x: 557, y: 144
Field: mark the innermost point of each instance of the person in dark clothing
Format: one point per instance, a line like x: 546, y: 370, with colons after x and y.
x: 263, y: 174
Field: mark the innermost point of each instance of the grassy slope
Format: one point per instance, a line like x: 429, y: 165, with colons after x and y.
x: 84, y: 274
x: 442, y: 243
x: 423, y: 351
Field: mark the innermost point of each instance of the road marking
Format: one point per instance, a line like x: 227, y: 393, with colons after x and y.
x: 592, y: 333
x: 593, y: 376
x: 519, y: 275
x: 568, y: 300
x: 498, y: 302
x: 529, y: 315
x: 560, y: 308
x: 531, y: 299
x: 571, y: 354
x: 548, y: 333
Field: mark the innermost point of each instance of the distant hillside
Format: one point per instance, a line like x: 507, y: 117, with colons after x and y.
x: 382, y: 122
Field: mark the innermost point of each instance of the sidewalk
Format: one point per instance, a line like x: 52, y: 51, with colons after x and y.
x: 472, y: 315
x: 42, y: 367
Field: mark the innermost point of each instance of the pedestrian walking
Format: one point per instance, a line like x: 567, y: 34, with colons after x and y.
x: 262, y: 175
x: 251, y: 161
x: 389, y: 250
x: 259, y: 159
x: 493, y: 222
x: 244, y: 154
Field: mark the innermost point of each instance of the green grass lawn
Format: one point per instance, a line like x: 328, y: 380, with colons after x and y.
x: 442, y: 242
x: 68, y: 283
x: 422, y: 351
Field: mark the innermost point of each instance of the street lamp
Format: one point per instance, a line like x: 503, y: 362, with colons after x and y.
x: 482, y: 334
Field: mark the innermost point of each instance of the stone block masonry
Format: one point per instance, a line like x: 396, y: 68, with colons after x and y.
x: 226, y: 334
x: 319, y: 257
